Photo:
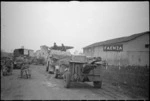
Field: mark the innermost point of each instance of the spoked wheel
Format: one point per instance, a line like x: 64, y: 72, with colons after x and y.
x: 55, y: 75
x: 97, y: 84
x: 29, y: 73
x: 67, y: 79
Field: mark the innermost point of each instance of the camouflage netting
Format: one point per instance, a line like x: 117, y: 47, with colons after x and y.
x: 60, y: 57
x: 59, y: 53
x: 64, y: 61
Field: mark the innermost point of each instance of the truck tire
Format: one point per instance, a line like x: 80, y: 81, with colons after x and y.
x: 97, y: 84
x: 67, y: 80
x: 55, y: 75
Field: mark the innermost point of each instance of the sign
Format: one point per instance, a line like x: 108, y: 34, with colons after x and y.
x: 113, y: 48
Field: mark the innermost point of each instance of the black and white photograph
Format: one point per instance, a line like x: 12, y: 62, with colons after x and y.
x: 75, y: 50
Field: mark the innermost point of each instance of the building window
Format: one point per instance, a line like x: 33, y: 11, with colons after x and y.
x: 146, y: 45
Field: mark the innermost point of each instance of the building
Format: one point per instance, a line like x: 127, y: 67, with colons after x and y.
x: 44, y: 51
x: 37, y: 54
x: 31, y: 52
x: 130, y: 50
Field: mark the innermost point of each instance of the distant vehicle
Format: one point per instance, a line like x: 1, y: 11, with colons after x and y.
x: 21, y: 52
x: 18, y: 55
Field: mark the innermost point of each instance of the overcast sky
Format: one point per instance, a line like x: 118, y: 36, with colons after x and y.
x: 77, y: 24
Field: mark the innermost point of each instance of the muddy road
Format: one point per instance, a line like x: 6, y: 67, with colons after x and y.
x: 43, y: 86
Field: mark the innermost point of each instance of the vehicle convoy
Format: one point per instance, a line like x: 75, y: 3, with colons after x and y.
x: 78, y: 68
x: 75, y: 68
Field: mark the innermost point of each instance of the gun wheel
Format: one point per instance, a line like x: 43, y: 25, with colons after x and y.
x: 67, y: 79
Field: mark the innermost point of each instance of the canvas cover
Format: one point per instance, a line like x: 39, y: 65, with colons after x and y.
x: 60, y: 57
x: 79, y: 58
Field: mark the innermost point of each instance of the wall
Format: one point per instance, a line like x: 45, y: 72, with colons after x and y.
x: 138, y: 44
x: 136, y: 52
x: 31, y: 53
x: 38, y: 54
x: 44, y: 51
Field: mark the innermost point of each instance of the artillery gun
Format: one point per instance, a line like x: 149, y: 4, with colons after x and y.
x: 83, y: 70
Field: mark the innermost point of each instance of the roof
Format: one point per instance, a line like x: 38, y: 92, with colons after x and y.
x: 24, y: 49
x: 117, y: 40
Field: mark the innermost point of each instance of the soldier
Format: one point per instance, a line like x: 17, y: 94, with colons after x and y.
x: 63, y: 48
x: 2, y: 66
x: 25, y: 68
x: 12, y: 66
x: 47, y: 65
x: 55, y: 46
x: 9, y: 65
x: 50, y: 67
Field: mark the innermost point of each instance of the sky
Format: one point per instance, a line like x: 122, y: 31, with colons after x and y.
x: 77, y: 24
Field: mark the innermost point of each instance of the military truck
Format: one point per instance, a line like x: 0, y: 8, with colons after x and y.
x: 18, y: 55
x: 57, y: 56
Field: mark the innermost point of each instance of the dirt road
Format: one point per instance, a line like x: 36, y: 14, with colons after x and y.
x: 43, y: 86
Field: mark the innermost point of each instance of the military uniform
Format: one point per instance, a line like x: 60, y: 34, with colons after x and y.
x: 9, y: 66
x: 25, y: 68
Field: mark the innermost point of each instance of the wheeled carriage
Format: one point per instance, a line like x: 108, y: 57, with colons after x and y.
x: 80, y: 71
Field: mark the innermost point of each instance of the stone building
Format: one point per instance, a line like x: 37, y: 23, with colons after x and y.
x: 31, y: 52
x: 44, y: 51
x: 37, y: 54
